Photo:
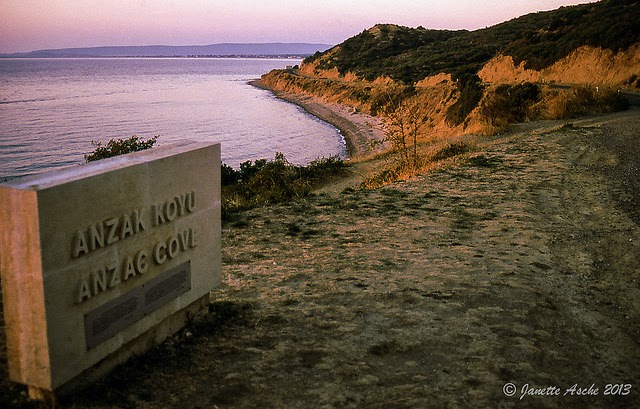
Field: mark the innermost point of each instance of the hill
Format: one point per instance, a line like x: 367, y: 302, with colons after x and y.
x: 540, y: 39
x: 214, y: 50
x: 429, y: 85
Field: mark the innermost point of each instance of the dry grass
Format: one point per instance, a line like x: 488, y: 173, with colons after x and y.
x: 431, y: 156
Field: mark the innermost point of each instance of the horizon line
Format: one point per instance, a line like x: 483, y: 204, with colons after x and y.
x: 99, y: 47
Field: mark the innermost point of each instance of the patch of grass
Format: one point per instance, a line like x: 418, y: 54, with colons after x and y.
x: 484, y: 161
x: 463, y: 220
x: 223, y: 314
x: 293, y: 229
x: 394, y: 193
x: 430, y: 157
x: 381, y: 178
x: 450, y: 150
x: 307, y: 234
x: 383, y: 348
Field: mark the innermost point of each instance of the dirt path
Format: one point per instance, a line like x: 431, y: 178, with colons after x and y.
x: 520, y: 266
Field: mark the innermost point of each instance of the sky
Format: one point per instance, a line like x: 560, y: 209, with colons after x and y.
x: 28, y: 25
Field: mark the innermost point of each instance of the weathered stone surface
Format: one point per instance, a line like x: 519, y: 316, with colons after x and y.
x: 94, y: 256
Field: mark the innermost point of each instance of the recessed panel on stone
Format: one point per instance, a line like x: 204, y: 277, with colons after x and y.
x: 95, y: 255
x: 111, y: 318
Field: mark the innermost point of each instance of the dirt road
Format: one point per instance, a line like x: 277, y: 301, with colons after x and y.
x: 515, y: 272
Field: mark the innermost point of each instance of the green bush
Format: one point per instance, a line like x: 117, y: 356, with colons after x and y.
x: 117, y: 147
x: 509, y: 104
x: 263, y: 182
x: 321, y: 169
x: 228, y: 175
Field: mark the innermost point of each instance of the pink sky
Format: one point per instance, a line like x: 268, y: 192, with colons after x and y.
x: 27, y: 25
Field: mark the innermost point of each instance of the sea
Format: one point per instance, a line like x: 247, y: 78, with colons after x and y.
x: 53, y: 111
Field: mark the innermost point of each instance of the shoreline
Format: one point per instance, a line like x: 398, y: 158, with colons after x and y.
x: 363, y: 134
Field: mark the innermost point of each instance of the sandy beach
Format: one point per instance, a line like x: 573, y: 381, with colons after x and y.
x: 364, y: 134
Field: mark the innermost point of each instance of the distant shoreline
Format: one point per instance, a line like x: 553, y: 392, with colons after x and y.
x: 363, y: 134
x: 221, y: 50
x: 106, y: 57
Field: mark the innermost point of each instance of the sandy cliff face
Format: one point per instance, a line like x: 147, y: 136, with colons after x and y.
x: 501, y: 69
x: 436, y: 94
x: 586, y: 65
x: 434, y: 80
x: 311, y: 70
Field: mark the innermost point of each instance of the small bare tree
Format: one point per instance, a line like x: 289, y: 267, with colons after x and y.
x: 407, y: 120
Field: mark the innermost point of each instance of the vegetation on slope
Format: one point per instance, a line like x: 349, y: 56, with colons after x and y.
x: 545, y: 38
x: 263, y: 182
x: 408, y: 54
x: 254, y: 184
x: 430, y: 84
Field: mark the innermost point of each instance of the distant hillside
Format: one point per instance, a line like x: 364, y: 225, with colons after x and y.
x: 540, y: 39
x: 216, y: 50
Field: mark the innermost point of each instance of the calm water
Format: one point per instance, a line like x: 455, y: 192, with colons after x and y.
x: 52, y: 109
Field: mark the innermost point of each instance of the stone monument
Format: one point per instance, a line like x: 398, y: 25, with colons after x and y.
x: 104, y: 260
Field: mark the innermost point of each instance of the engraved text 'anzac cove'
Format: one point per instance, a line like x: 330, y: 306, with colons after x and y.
x: 110, y: 231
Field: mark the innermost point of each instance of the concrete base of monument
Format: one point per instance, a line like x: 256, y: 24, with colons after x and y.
x: 137, y: 346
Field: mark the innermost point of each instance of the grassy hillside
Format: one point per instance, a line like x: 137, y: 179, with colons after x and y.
x: 429, y: 86
x: 410, y: 54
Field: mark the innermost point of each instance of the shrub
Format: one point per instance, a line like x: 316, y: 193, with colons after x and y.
x: 321, y: 169
x: 509, y: 104
x: 380, y: 179
x: 471, y: 92
x: 228, y: 175
x: 263, y: 182
x: 450, y: 150
x: 117, y: 147
x: 581, y: 101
